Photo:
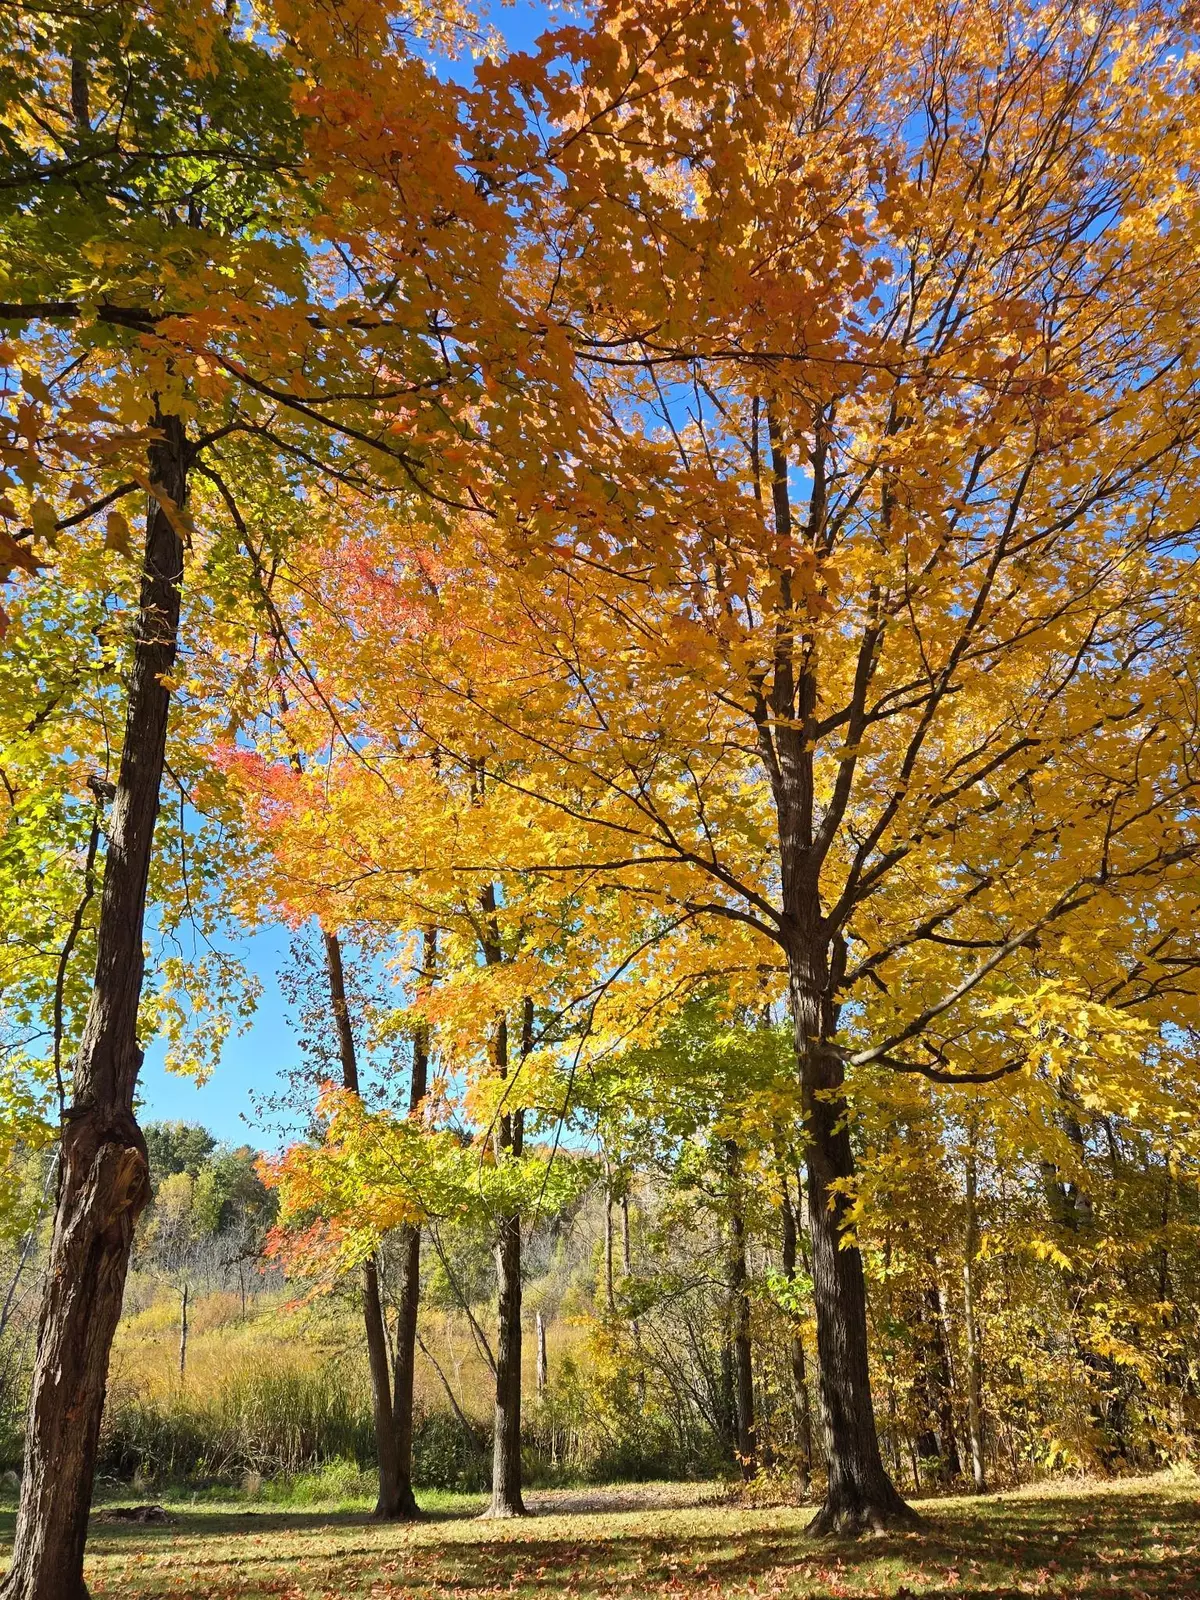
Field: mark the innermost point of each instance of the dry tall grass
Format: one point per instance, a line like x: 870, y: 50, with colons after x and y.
x: 279, y: 1390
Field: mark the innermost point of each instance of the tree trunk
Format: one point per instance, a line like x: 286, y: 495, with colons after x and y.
x: 610, y: 1298
x: 796, y: 1343
x: 725, y: 1401
x: 974, y: 1359
x: 183, y: 1333
x: 945, y: 1325
x: 543, y: 1370
x: 506, y: 1436
x: 859, y: 1494
x: 388, y: 1503
x: 743, y: 1354
x: 103, y: 1171
x: 626, y: 1253
x: 1165, y: 1292
x: 924, y: 1441
x: 940, y: 1385
x: 507, y: 1500
x: 409, y: 1297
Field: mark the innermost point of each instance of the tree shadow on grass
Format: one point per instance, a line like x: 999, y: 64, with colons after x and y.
x: 1095, y: 1546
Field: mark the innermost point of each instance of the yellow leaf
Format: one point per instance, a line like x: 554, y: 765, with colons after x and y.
x: 34, y: 385
x: 116, y: 534
x: 41, y: 515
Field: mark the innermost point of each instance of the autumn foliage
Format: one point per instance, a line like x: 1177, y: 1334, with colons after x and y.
x: 693, y: 521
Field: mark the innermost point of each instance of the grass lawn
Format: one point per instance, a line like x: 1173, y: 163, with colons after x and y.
x: 1128, y: 1541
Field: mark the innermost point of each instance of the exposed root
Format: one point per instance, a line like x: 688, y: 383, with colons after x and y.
x: 871, y: 1518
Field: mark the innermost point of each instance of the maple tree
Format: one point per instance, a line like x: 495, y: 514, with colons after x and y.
x: 504, y: 970
x: 875, y: 647
x: 712, y: 1101
x: 708, y: 506
x: 175, y: 312
x: 66, y: 87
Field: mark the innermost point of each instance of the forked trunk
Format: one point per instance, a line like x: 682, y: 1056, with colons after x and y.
x: 387, y: 1502
x: 859, y: 1495
x: 381, y: 1392
x: 103, y: 1171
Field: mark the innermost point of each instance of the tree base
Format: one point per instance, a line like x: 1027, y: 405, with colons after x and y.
x: 405, y: 1509
x: 846, y: 1517
x: 17, y: 1586
x: 502, y: 1511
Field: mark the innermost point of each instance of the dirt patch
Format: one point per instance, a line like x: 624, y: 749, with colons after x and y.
x: 625, y: 1497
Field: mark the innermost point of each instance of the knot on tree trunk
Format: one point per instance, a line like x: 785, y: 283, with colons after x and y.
x: 104, y: 1155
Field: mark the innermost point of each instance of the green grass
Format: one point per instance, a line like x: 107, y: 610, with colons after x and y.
x: 1135, y: 1540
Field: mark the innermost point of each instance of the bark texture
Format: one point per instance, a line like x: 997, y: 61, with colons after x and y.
x: 507, y: 1142
x: 387, y: 1502
x: 103, y: 1170
x: 859, y: 1496
x: 507, y: 1498
x: 408, y: 1300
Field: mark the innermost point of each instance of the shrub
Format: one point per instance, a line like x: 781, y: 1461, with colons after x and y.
x: 446, y: 1456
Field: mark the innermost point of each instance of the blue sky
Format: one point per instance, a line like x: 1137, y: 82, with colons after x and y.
x: 251, y: 1065
x: 521, y: 22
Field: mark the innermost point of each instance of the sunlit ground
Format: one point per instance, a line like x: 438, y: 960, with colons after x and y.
x: 1134, y: 1539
